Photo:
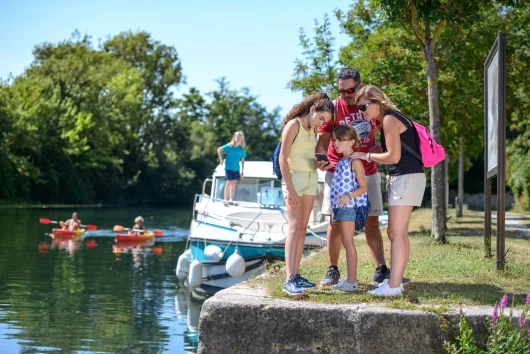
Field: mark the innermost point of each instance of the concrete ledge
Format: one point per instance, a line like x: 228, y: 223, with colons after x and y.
x: 244, y: 319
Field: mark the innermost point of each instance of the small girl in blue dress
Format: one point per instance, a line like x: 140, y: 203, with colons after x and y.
x: 348, y: 184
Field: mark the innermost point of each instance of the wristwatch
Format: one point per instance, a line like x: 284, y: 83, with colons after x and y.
x: 368, y: 156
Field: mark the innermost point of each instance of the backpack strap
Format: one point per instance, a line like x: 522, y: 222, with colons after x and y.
x: 406, y: 121
x: 409, y: 149
x: 299, y: 125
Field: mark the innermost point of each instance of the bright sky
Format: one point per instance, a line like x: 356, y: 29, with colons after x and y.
x: 252, y: 43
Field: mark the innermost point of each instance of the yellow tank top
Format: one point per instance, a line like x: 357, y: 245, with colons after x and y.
x: 302, y: 155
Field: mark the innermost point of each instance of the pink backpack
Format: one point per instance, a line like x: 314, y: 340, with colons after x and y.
x: 431, y: 152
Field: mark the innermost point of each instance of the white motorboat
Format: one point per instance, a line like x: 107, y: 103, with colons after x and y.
x: 228, y: 243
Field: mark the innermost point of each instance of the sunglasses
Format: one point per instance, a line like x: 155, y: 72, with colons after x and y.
x: 362, y: 107
x: 349, y: 91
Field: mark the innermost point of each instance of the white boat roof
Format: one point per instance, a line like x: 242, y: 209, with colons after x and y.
x: 259, y: 169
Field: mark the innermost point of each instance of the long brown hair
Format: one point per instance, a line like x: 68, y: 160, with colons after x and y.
x: 374, y: 94
x: 320, y: 100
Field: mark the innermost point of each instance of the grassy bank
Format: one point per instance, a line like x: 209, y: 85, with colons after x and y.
x: 442, y: 276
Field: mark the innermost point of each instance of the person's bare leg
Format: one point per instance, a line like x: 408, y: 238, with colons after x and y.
x: 374, y: 239
x: 225, y: 194
x: 294, y: 217
x: 307, y: 207
x: 233, y: 189
x: 333, y: 243
x: 347, y: 231
x: 230, y: 190
x: 398, y: 232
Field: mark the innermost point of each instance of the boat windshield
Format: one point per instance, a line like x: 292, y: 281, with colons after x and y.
x: 247, y: 189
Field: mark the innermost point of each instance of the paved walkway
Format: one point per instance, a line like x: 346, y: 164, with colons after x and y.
x: 516, y: 222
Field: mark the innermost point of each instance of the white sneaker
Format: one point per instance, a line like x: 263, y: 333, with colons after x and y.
x: 385, y: 290
x: 345, y: 285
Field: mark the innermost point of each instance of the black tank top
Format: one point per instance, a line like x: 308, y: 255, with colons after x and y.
x: 408, y: 163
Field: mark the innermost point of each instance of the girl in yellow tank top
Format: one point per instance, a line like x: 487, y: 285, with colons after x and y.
x: 299, y: 184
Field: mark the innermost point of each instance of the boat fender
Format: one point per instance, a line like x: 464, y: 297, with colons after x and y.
x: 213, y: 253
x: 235, y: 265
x: 195, y: 277
x: 183, y: 267
x: 188, y: 253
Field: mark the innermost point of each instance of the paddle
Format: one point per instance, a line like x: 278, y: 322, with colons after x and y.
x: 48, y: 221
x: 119, y: 228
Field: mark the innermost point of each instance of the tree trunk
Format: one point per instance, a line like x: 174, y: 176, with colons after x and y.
x: 460, y: 178
x: 437, y: 175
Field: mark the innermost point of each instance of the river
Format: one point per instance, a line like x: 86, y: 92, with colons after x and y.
x: 94, y: 295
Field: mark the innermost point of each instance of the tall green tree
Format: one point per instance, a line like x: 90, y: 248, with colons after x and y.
x: 426, y: 20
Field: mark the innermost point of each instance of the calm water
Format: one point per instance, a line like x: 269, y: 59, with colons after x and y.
x: 94, y: 295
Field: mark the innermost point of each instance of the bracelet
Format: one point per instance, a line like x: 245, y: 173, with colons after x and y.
x: 368, y: 156
x: 348, y: 195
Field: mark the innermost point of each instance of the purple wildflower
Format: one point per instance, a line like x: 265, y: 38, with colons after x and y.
x: 521, y: 321
x: 504, y: 301
x: 495, y: 315
x: 461, y: 311
x: 528, y: 299
x: 529, y: 333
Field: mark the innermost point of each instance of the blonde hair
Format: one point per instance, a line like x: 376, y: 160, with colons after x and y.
x: 233, y: 141
x: 139, y: 219
x: 375, y: 95
x: 346, y: 132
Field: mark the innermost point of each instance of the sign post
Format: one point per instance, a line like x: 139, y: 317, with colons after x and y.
x: 495, y: 143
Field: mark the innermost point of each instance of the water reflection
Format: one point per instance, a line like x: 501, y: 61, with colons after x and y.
x: 74, y: 296
x: 188, y: 308
x: 70, y: 245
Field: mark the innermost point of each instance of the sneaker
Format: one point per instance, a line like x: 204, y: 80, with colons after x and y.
x: 379, y: 278
x: 332, y: 277
x: 291, y: 287
x: 385, y: 290
x: 345, y: 286
x: 303, y: 282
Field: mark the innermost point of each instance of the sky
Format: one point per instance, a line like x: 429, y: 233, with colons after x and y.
x: 253, y: 44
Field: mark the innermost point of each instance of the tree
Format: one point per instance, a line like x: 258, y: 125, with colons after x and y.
x: 426, y: 20
x: 318, y: 72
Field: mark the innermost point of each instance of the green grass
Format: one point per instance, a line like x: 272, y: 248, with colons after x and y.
x: 443, y: 276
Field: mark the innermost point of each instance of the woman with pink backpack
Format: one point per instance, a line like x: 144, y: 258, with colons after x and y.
x: 402, y: 154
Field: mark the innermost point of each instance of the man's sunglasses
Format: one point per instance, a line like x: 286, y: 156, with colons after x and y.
x: 349, y: 91
x: 362, y: 107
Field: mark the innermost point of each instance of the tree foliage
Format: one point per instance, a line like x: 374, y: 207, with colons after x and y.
x: 101, y: 124
x: 387, y: 55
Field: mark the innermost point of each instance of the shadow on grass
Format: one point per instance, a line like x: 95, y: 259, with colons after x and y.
x: 478, y: 222
x: 480, y: 294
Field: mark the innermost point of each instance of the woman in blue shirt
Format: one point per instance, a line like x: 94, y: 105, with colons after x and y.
x: 235, y: 152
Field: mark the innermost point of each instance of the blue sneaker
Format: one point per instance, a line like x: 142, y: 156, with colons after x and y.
x: 303, y: 282
x: 291, y: 287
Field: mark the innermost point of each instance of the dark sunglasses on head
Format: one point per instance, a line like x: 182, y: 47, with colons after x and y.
x: 349, y: 91
x: 362, y: 107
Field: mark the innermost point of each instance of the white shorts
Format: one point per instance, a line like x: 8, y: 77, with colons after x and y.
x: 405, y: 189
x: 373, y: 184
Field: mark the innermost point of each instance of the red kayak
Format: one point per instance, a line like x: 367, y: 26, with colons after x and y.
x: 139, y: 237
x: 68, y: 233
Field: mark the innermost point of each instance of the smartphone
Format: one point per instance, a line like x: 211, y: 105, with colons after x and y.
x: 322, y: 157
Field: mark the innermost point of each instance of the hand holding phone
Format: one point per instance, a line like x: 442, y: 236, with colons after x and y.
x: 322, y: 157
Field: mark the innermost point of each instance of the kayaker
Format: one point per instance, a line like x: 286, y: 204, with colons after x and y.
x: 71, y: 224
x: 138, y: 225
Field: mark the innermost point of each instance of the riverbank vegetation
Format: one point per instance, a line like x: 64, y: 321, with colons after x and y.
x: 441, y: 277
x: 87, y: 123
